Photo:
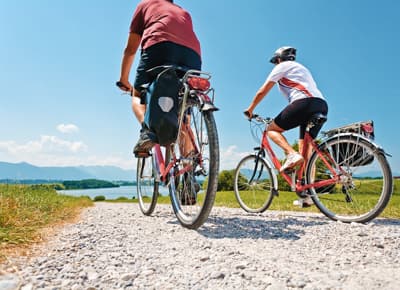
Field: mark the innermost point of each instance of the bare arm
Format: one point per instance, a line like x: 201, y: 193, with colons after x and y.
x: 128, y: 58
x: 261, y: 93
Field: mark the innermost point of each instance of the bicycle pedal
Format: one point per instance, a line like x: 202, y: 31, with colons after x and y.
x: 275, y: 192
x: 142, y: 154
x: 303, y: 194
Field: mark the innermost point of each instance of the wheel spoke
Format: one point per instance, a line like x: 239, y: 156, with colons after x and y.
x: 193, y: 191
x: 253, y: 184
x: 364, y: 184
x: 147, y: 186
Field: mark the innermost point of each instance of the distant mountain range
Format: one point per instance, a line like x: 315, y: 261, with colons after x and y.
x: 24, y: 171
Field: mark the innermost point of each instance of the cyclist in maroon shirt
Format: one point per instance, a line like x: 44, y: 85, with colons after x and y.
x: 164, y: 31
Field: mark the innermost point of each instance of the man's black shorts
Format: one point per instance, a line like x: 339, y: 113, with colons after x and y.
x: 299, y: 113
x: 164, y: 53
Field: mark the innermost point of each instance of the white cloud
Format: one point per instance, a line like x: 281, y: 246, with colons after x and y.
x: 67, y: 128
x: 46, y: 144
x: 53, y: 151
x: 48, y: 150
x: 230, y: 157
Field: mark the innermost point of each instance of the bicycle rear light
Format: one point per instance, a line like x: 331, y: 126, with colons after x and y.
x: 368, y: 128
x: 197, y: 83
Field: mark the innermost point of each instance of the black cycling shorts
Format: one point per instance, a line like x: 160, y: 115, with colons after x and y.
x: 164, y: 53
x: 299, y: 113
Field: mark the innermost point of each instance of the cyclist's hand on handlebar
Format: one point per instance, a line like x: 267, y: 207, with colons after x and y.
x: 248, y: 114
x: 126, y: 87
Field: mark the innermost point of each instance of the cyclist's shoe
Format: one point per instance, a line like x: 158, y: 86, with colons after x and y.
x: 190, y: 190
x: 292, y: 160
x: 146, y: 141
x: 303, y: 202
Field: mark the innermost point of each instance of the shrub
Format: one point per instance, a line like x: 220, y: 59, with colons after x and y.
x: 121, y: 198
x: 99, y: 198
x: 225, y: 180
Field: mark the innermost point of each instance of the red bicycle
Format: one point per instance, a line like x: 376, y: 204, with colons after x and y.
x: 191, y: 178
x: 347, y: 175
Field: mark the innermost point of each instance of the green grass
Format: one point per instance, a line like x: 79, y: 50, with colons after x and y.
x: 25, y: 210
x: 285, y: 201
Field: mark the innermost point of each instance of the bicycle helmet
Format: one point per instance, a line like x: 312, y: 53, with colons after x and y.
x: 283, y: 53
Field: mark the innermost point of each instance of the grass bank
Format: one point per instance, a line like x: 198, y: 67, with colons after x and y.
x: 25, y: 210
x: 285, y: 202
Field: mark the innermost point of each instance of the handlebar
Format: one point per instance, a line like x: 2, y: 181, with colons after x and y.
x: 258, y: 118
x: 124, y: 88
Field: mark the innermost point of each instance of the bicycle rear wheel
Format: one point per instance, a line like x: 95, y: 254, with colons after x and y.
x: 147, y: 185
x: 364, y: 185
x: 253, y: 184
x: 193, y: 192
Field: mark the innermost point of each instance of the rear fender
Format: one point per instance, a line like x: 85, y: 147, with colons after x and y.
x: 206, y: 104
x: 358, y: 136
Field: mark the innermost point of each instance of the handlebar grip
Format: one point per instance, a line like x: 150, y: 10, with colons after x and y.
x: 121, y: 86
x: 253, y: 116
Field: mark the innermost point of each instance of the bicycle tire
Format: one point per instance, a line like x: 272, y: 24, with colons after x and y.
x: 194, y: 215
x: 362, y: 191
x: 253, y: 184
x: 147, y: 185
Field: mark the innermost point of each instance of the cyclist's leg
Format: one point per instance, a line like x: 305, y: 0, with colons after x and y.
x: 185, y: 143
x: 290, y: 117
x: 314, y: 106
x: 286, y: 120
x: 150, y: 58
x: 138, y: 108
x: 275, y: 133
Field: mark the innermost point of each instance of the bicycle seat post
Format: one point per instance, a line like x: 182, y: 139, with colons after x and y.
x: 293, y: 185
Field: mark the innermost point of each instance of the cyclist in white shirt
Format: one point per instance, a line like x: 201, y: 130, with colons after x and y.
x: 298, y: 86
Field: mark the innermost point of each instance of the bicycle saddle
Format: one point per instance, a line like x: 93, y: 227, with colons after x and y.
x: 318, y: 119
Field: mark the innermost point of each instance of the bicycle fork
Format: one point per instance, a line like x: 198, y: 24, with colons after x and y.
x: 260, y: 154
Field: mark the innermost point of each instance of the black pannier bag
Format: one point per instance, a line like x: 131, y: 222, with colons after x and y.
x: 352, y: 154
x: 161, y: 115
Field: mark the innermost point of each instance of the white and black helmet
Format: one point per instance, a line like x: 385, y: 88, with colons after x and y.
x: 283, y: 53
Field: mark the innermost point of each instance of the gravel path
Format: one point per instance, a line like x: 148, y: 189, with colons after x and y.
x: 115, y: 247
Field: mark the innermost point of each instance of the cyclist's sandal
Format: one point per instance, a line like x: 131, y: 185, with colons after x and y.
x: 141, y: 154
x: 303, y: 202
x: 144, y: 144
x: 142, y: 148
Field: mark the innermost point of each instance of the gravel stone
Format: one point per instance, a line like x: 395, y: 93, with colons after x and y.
x: 114, y: 246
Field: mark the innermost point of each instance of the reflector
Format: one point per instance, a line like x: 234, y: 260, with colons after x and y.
x: 200, y: 84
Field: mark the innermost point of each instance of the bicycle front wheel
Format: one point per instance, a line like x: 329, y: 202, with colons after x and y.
x: 147, y: 185
x: 253, y: 184
x: 193, y: 192
x: 364, y: 184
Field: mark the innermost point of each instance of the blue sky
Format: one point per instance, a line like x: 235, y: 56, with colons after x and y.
x: 59, y: 61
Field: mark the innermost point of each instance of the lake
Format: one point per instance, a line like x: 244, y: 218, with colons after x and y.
x: 109, y: 193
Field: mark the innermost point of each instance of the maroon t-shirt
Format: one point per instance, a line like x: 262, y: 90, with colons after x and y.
x: 160, y: 20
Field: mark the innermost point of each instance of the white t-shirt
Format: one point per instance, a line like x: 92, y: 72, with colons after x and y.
x: 295, y: 81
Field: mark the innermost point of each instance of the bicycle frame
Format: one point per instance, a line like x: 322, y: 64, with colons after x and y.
x: 160, y: 162
x: 298, y: 184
